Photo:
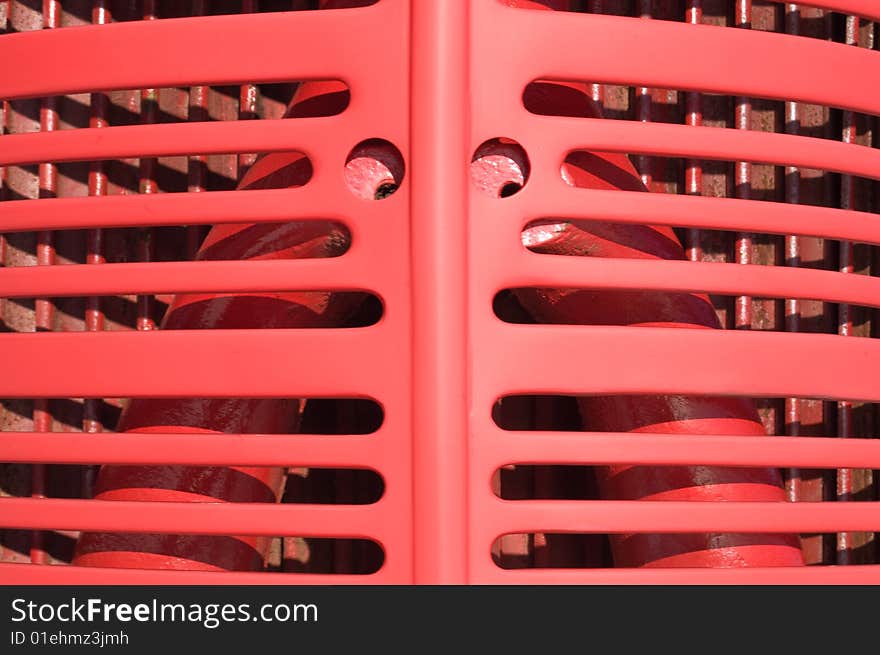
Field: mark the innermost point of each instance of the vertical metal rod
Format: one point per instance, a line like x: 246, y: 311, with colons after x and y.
x: 6, y: 7
x: 544, y: 478
x: 94, y: 317
x: 343, y: 549
x: 197, y: 165
x: 247, y: 99
x: 43, y: 307
x: 693, y: 172
x: 147, y: 184
x: 643, y: 105
x: 792, y: 258
x: 806, y: 416
x: 4, y: 113
x: 597, y: 91
x: 438, y: 253
x: 872, y: 201
x: 743, y: 179
x: 846, y: 264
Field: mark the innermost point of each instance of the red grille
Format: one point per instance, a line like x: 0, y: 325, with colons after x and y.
x: 777, y: 214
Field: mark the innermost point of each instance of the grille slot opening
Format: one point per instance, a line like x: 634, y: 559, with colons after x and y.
x: 576, y: 550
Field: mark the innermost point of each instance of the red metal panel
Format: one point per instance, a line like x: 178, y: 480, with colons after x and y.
x: 132, y: 364
x: 177, y: 139
x: 202, y: 518
x: 378, y: 109
x: 672, y: 449
x: 832, y: 79
x: 277, y: 47
x: 192, y: 277
x: 268, y: 205
x: 200, y: 449
x: 674, y: 360
x: 440, y: 188
x: 669, y: 516
x: 448, y: 77
x: 605, y: 360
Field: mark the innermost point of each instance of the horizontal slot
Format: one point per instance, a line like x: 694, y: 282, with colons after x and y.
x: 304, y: 486
x: 178, y: 243
x: 259, y: 519
x: 637, y: 102
x: 704, y: 215
x: 555, y: 550
x: 177, y: 9
x: 134, y: 172
x: 198, y: 311
x: 820, y: 247
x: 796, y: 417
x: 703, y: 483
x: 312, y: 416
x: 76, y: 14
x: 324, y: 486
x: 774, y: 178
x: 286, y: 554
x: 714, y: 13
x: 192, y: 104
x: 651, y: 307
x: 333, y: 556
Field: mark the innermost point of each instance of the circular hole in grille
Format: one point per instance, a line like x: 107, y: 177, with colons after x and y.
x: 374, y: 169
x: 500, y: 167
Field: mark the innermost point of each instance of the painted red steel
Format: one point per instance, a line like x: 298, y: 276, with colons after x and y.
x: 306, y: 309
x: 676, y: 414
x: 437, y: 252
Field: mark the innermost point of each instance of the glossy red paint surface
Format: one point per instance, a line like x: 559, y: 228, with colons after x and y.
x: 437, y: 252
x: 646, y: 414
x: 371, y: 167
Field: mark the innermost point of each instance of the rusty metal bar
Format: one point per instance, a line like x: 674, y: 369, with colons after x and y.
x: 743, y: 178
x: 693, y: 172
x: 844, y: 320
x: 247, y: 99
x: 803, y: 416
x: 643, y: 105
x: 97, y: 183
x: 793, y: 482
x: 597, y: 91
x: 147, y: 184
x: 197, y: 165
x: 5, y: 8
x: 43, y: 307
x: 850, y: 481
